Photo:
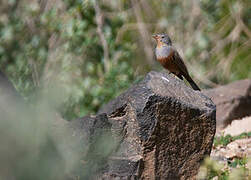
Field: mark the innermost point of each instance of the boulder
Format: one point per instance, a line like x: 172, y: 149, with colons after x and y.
x: 233, y: 101
x: 157, y: 129
x: 237, y: 127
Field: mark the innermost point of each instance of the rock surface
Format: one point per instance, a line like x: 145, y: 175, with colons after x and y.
x: 158, y: 129
x: 233, y: 101
x: 237, y: 149
x: 237, y: 127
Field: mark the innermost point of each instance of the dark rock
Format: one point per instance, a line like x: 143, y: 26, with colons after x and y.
x: 233, y: 101
x: 162, y: 128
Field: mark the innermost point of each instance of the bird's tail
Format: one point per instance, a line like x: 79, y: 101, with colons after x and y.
x: 192, y: 83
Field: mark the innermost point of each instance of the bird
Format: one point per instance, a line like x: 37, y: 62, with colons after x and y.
x: 170, y: 59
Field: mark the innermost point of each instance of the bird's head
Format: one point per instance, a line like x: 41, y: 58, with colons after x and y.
x: 162, y: 38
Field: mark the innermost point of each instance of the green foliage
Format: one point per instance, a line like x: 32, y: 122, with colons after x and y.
x: 98, y: 91
x: 52, y: 49
x: 238, y: 162
x: 211, y: 169
x: 32, y: 146
x: 229, y: 31
x: 225, y: 140
x: 235, y: 170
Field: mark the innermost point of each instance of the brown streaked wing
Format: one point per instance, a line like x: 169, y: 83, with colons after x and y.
x: 179, y: 62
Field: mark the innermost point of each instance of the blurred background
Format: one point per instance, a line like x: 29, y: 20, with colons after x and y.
x: 67, y: 58
x: 94, y: 50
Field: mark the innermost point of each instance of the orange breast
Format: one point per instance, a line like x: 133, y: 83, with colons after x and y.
x: 168, y: 63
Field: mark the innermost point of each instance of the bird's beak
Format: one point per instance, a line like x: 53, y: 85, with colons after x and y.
x: 155, y: 36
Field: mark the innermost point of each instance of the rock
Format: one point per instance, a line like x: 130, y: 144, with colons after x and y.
x: 240, y: 148
x: 160, y: 129
x: 237, y: 127
x: 233, y: 101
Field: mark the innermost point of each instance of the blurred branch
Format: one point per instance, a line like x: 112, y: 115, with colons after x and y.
x: 35, y: 76
x: 129, y: 26
x: 239, y: 21
x: 14, y: 7
x: 143, y: 32
x: 202, y: 78
x: 53, y: 50
x: 42, y: 5
x: 7, y: 89
x: 99, y: 20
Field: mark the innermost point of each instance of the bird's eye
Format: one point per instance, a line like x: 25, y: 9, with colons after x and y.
x: 162, y: 37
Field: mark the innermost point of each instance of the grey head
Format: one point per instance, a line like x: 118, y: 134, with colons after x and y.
x: 163, y: 38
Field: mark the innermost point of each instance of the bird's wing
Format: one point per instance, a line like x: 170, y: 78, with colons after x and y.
x: 179, y: 62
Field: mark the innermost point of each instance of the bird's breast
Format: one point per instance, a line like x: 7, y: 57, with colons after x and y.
x: 163, y: 52
x: 165, y: 57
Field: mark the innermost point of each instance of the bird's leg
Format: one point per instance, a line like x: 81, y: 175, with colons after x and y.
x: 176, y: 75
x: 172, y: 74
x: 180, y: 76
